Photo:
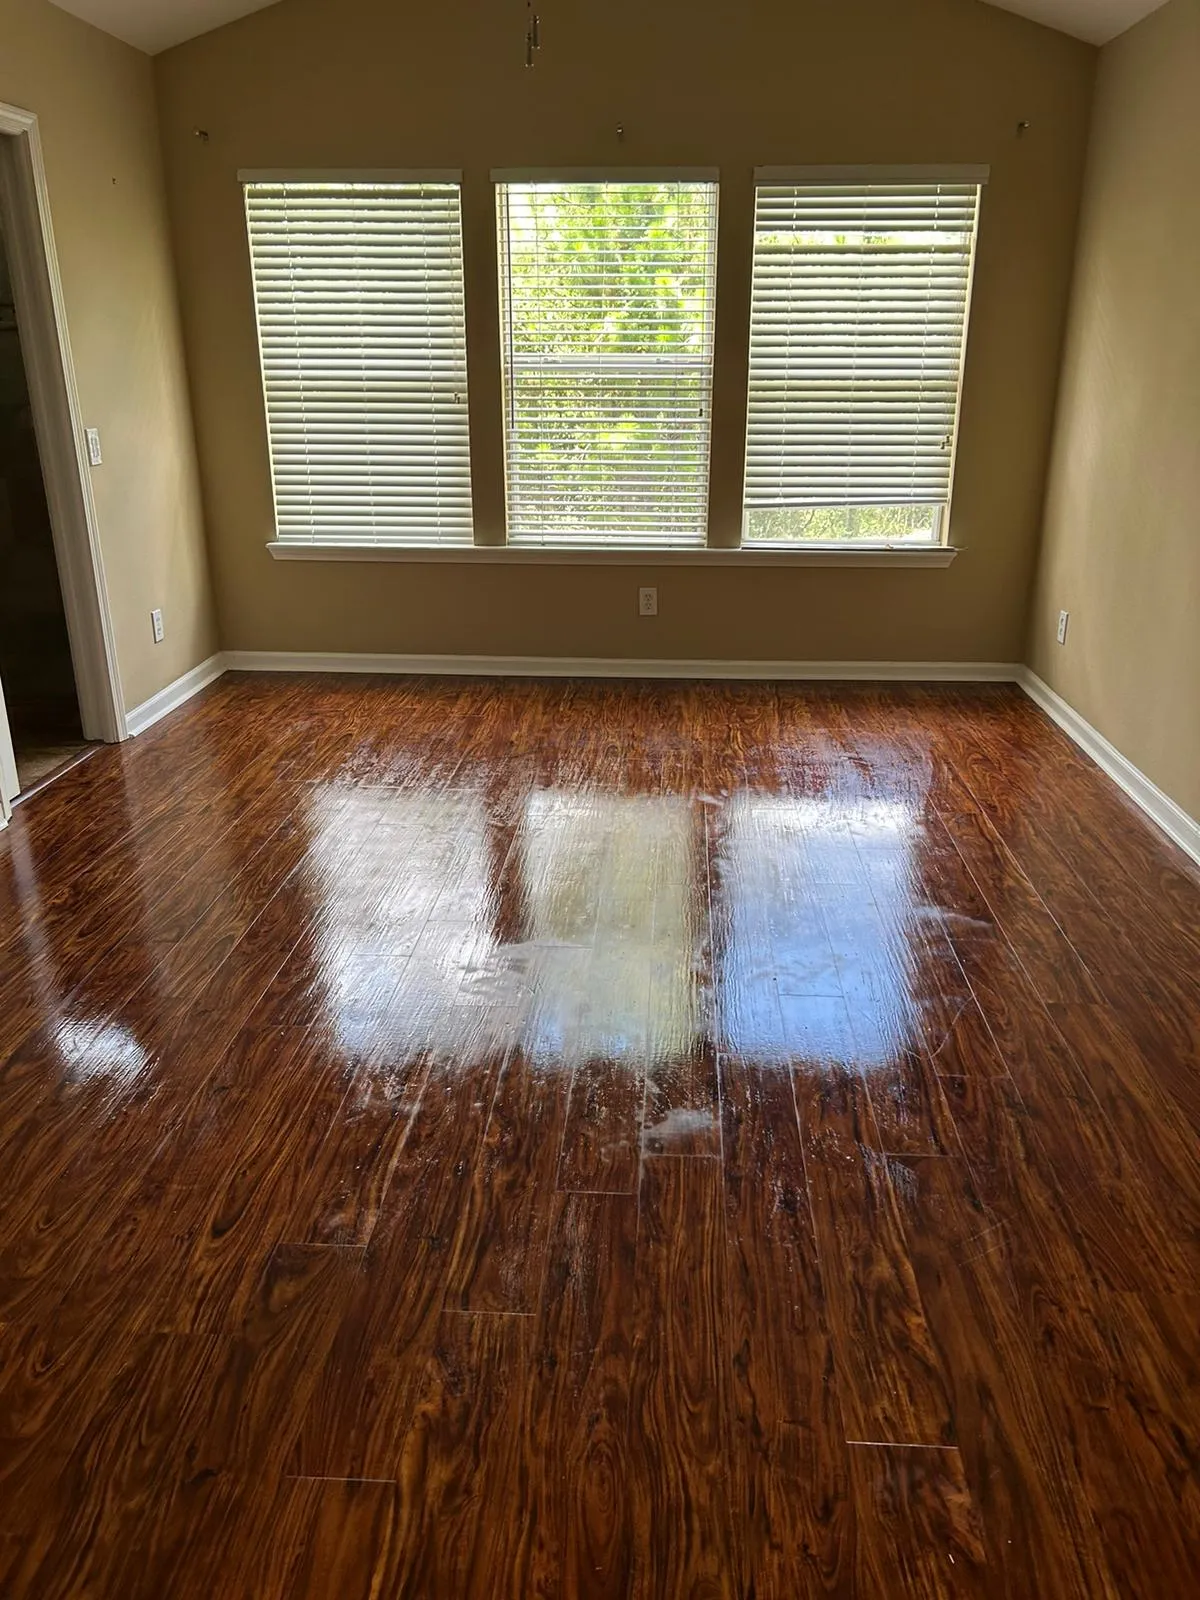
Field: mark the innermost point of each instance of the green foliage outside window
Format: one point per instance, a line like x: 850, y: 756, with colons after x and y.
x: 833, y: 524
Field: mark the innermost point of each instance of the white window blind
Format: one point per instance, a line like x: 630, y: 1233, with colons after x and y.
x: 857, y: 327
x: 359, y: 294
x: 607, y: 293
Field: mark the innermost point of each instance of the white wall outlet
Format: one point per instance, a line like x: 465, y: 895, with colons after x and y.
x: 1064, y: 622
x: 647, y: 602
x: 93, y: 444
x: 156, y: 622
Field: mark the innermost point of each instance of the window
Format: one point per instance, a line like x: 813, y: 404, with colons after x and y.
x: 607, y: 292
x: 358, y: 288
x: 857, y: 326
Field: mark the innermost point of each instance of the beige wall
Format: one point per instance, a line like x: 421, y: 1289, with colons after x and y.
x: 94, y: 98
x: 371, y: 83
x: 1122, y: 534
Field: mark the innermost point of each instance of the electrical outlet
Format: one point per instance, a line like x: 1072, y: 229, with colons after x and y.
x: 1064, y: 620
x: 647, y: 602
x: 93, y: 444
x: 156, y: 622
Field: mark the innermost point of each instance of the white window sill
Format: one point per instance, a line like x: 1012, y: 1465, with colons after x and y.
x: 602, y: 556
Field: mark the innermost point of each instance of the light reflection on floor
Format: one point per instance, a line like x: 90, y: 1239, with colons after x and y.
x: 91, y: 1048
x: 813, y: 962
x: 577, y: 926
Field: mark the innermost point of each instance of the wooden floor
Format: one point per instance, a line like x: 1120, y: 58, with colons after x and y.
x: 478, y: 1139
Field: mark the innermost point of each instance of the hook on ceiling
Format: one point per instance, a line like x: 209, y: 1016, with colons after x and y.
x: 533, y: 33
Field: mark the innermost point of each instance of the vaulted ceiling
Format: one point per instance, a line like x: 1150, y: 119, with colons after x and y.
x: 154, y: 25
x: 1097, y: 21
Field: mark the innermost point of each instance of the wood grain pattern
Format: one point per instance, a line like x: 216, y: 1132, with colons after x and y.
x: 198, y: 1409
x: 791, y: 1479
x: 921, y: 1531
x: 463, y: 1494
x: 374, y: 1375
x: 601, y: 1143
x: 499, y: 1258
x: 683, y: 1521
x: 980, y: 1295
x: 577, y: 1417
x: 581, y: 1141
x: 894, y: 1391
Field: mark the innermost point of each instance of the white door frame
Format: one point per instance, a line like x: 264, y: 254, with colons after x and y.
x: 58, y: 423
x: 9, y: 782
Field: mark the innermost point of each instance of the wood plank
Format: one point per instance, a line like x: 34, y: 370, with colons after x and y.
x: 1148, y: 1121
x: 499, y: 1256
x: 918, y: 1530
x: 909, y: 1109
x: 790, y: 1469
x: 1054, y: 966
x: 575, y: 1427
x: 682, y: 1115
x: 371, y: 1382
x: 53, y: 1379
x: 683, y: 1524
x: 351, y: 1170
x: 601, y: 1145
x: 890, y: 1382
x: 1138, y: 1478
x: 976, y: 1276
x: 346, y: 1533
x: 1055, y: 1133
x: 461, y: 1530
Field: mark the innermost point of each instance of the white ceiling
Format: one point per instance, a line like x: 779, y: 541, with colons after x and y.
x: 1097, y: 21
x: 154, y: 25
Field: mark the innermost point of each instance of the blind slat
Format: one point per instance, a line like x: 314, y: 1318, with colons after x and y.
x: 858, y: 317
x: 359, y: 295
x: 608, y: 299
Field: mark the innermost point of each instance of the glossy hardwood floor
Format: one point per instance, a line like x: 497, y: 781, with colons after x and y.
x: 478, y: 1139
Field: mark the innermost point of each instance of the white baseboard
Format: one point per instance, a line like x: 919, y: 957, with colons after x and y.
x: 1159, y: 807
x: 166, y: 700
x: 612, y: 667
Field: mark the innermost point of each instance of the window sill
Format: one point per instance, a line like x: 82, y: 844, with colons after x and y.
x: 596, y: 556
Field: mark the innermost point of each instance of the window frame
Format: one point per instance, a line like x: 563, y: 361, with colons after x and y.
x: 490, y: 546
x: 706, y: 177
x: 835, y: 177
x: 410, y: 178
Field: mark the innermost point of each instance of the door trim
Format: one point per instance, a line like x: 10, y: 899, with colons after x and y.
x: 9, y: 781
x: 58, y: 423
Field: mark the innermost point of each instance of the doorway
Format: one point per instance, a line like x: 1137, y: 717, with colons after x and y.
x: 35, y: 647
x: 59, y: 685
